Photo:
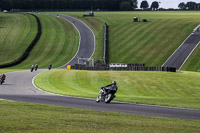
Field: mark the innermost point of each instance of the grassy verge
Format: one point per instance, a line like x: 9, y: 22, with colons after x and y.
x: 150, y: 43
x: 16, y: 33
x: 24, y: 117
x: 57, y: 45
x: 193, y: 62
x: 9, y: 70
x: 179, y: 89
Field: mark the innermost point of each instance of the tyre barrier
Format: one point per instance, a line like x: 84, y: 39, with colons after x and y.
x: 28, y: 50
x: 128, y: 68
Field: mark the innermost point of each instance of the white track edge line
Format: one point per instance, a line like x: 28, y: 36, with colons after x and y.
x: 79, y: 43
x: 189, y: 55
x: 177, y: 49
x: 90, y: 30
x: 112, y: 101
x: 80, y: 36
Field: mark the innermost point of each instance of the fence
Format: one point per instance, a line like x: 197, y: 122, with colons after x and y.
x: 105, y: 58
x: 130, y: 67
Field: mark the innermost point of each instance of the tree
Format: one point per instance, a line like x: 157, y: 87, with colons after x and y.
x: 198, y: 6
x: 134, y: 4
x: 144, y: 4
x: 6, y: 4
x: 191, y: 5
x: 154, y: 5
x: 182, y: 6
x: 125, y: 6
x: 27, y: 4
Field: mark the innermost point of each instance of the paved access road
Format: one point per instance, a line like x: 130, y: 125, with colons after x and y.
x: 19, y: 87
x: 183, y: 52
x: 86, y: 42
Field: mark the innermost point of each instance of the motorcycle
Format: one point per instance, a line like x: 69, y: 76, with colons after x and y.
x: 106, y: 95
x: 1, y: 81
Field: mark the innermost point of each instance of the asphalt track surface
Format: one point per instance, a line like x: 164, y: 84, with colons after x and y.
x: 182, y: 53
x: 19, y: 87
x: 86, y: 42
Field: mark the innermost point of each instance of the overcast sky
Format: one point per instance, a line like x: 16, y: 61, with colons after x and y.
x: 168, y: 3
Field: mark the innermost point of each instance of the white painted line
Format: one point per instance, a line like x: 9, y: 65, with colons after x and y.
x: 80, y: 37
x: 112, y: 101
x: 189, y: 55
x: 79, y: 43
x: 93, y: 36
x: 36, y: 86
x: 177, y: 49
x: 6, y: 100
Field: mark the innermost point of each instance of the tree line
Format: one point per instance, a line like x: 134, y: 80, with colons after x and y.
x: 69, y: 4
x: 110, y: 5
x: 189, y: 6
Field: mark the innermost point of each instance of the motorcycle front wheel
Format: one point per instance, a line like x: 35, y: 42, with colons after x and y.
x: 98, y: 100
x: 1, y: 82
x: 108, y: 98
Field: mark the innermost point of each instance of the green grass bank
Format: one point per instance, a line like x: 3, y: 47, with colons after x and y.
x: 34, y: 118
x: 151, y: 43
x: 9, y: 70
x: 17, y: 31
x: 181, y: 89
x: 58, y: 43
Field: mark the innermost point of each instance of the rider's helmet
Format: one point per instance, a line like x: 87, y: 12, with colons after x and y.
x: 114, y: 83
x: 3, y: 76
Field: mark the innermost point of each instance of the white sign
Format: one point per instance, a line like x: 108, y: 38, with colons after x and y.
x: 118, y: 65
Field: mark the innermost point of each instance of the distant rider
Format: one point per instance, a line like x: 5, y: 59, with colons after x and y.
x: 50, y: 66
x: 3, y: 77
x: 108, y: 88
x: 36, y: 67
x: 32, y: 68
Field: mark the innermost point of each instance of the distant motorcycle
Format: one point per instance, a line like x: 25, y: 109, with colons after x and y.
x: 1, y: 81
x: 2, y: 78
x: 106, y: 96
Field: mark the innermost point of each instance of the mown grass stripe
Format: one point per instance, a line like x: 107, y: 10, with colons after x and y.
x: 159, y: 88
x: 178, y: 25
x: 142, y: 41
x: 57, y: 45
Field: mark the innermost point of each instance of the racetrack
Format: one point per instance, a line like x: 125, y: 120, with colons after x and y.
x: 182, y: 53
x: 86, y: 43
x: 19, y: 87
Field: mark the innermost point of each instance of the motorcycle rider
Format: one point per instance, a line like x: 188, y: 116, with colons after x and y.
x: 32, y: 68
x: 49, y: 67
x: 3, y: 77
x: 108, y: 88
x: 36, y: 67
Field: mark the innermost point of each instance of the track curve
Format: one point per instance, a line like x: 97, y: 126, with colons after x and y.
x: 19, y: 87
x: 86, y: 43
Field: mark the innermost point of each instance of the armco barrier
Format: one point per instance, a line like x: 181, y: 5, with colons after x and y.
x: 105, y: 58
x: 28, y: 50
x: 129, y: 68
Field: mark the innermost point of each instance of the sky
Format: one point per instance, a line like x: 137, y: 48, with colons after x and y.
x: 168, y: 3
